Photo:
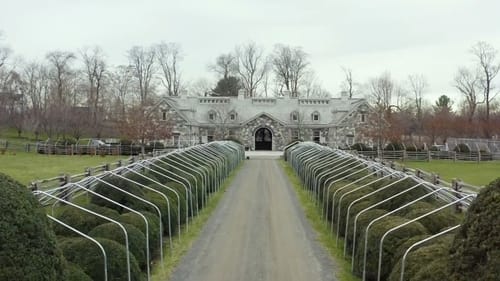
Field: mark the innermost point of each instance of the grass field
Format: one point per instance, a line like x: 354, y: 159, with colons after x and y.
x: 26, y: 167
x: 470, y: 172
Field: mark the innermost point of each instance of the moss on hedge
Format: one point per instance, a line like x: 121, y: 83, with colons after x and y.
x: 475, y: 253
x: 136, y: 239
x: 28, y: 249
x: 89, y: 258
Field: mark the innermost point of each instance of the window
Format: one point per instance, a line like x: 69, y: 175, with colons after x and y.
x: 315, y: 116
x: 316, y: 136
x: 232, y: 116
x: 362, y: 118
x: 294, y: 116
x: 295, y: 135
x: 211, y: 115
x: 164, y: 115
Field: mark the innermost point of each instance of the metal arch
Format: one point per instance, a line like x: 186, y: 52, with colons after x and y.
x: 89, y: 238
x: 403, y: 260
x: 209, y: 150
x: 150, y: 162
x: 371, y: 207
x: 347, y: 185
x: 317, y: 175
x: 188, y: 191
x: 383, y: 216
x: 337, y: 165
x: 169, y: 189
x: 205, y: 177
x: 309, y: 164
x: 123, y: 206
x: 407, y: 223
x: 342, y: 197
x: 99, y: 215
x: 342, y: 177
x: 212, y: 162
x: 168, y: 209
x: 346, y: 232
x: 324, y: 210
x: 188, y: 172
x: 144, y: 201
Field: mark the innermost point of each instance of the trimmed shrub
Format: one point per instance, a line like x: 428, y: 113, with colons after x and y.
x: 363, y: 222
x: 153, y: 226
x: 116, y: 195
x: 462, y: 147
x: 140, y: 179
x: 435, y: 222
x: 475, y: 253
x: 136, y: 239
x: 173, y: 198
x: 426, y: 262
x: 360, y: 147
x: 28, y: 249
x: 160, y: 201
x: 391, y: 243
x: 75, y: 273
x: 394, y: 146
x: 87, y: 255
x: 81, y: 220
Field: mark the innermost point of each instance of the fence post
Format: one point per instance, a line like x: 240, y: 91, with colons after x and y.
x: 457, y: 186
x: 428, y: 156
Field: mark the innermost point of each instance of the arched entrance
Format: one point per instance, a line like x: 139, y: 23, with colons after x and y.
x: 263, y: 139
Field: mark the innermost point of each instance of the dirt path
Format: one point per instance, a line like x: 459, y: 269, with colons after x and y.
x: 258, y: 232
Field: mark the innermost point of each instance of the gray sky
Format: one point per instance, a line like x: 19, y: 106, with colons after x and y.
x: 431, y: 37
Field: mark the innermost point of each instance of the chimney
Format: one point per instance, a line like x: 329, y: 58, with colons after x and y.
x: 344, y: 95
x: 241, y: 94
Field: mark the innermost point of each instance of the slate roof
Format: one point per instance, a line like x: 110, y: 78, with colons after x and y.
x: 331, y: 111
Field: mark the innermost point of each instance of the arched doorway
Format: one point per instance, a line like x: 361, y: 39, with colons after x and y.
x: 263, y: 139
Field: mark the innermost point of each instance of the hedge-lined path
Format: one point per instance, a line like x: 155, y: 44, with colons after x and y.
x: 258, y: 232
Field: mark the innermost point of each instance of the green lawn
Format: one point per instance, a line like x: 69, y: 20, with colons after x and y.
x: 470, y: 172
x: 26, y: 167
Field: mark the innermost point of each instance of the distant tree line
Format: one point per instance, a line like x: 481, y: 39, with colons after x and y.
x: 72, y: 94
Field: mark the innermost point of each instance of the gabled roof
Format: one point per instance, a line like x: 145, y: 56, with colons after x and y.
x: 332, y: 111
x: 265, y: 114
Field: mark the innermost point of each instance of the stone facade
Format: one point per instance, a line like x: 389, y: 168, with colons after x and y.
x: 334, y: 122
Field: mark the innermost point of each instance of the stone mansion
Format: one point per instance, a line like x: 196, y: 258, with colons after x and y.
x: 266, y: 123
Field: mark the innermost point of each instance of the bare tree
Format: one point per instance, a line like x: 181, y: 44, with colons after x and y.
x: 348, y: 85
x: 468, y: 84
x: 289, y: 65
x: 201, y: 87
x: 36, y: 89
x: 489, y: 67
x: 95, y: 70
x: 121, y: 79
x: 251, y: 66
x: 381, y: 92
x: 418, y: 85
x: 5, y: 52
x: 61, y: 70
x: 312, y: 88
x: 168, y: 56
x: 143, y: 63
x: 225, y: 65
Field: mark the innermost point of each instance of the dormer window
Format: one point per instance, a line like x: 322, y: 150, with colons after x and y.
x: 315, y: 116
x: 212, y: 115
x: 232, y: 116
x: 362, y: 117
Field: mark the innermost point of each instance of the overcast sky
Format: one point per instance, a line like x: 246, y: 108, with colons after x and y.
x: 431, y: 37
